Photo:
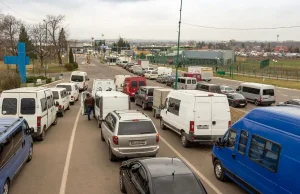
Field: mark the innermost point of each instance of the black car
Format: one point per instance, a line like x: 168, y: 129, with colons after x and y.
x: 162, y: 175
x: 144, y: 96
x: 203, y: 86
x: 293, y: 102
x: 236, y: 100
x: 170, y: 80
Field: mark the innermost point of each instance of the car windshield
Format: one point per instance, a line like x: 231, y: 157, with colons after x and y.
x: 68, y: 88
x: 228, y: 89
x: 238, y: 96
x: 55, y: 95
x: 134, y: 84
x: 142, y: 83
x: 269, y: 92
x: 215, y: 89
x: 181, y: 183
x: 77, y: 78
x: 136, y: 128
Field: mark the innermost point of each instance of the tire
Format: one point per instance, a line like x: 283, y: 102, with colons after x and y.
x: 184, y: 141
x: 121, y: 183
x: 219, y: 171
x: 6, y: 187
x: 30, y: 155
x: 234, y: 105
x: 154, y: 113
x: 55, y: 121
x: 99, y: 123
x: 144, y: 107
x: 62, y: 113
x: 72, y: 103
x: 135, y: 102
x: 162, y: 125
x: 43, y: 134
x: 77, y: 98
x: 102, y: 138
x: 256, y: 102
x: 111, y: 155
x: 68, y: 108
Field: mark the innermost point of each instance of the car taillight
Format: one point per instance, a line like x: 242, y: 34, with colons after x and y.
x: 59, y: 106
x: 260, y: 99
x: 72, y: 96
x: 38, y: 122
x: 236, y: 101
x: 157, y: 138
x: 229, y: 124
x: 147, y: 97
x: 115, y: 140
x: 192, y: 126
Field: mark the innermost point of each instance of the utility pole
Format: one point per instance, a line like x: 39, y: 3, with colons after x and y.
x: 177, y: 59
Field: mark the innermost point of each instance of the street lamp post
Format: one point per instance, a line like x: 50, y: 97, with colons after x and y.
x: 177, y: 59
x: 46, y: 42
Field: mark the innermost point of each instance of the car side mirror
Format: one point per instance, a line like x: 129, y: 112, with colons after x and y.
x: 56, y: 104
x: 29, y: 131
x: 219, y: 142
x: 69, y: 93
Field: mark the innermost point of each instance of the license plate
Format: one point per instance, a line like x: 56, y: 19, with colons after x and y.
x: 242, y: 104
x: 137, y: 142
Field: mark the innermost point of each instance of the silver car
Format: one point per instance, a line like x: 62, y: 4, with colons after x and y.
x: 129, y: 134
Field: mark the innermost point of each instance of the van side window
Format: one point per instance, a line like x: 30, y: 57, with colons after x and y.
x: 189, y: 81
x: 27, y: 106
x: 62, y: 94
x: 194, y: 81
x: 97, y: 101
x: 174, y: 106
x: 49, y: 102
x: 6, y: 152
x: 44, y: 104
x: 243, y: 142
x: 251, y: 90
x: 264, y: 152
x: 231, y: 139
x: 9, y: 106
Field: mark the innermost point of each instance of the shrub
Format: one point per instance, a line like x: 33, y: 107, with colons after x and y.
x: 69, y: 66
x: 48, y: 80
x: 75, y: 65
x: 33, y: 79
x: 9, y: 80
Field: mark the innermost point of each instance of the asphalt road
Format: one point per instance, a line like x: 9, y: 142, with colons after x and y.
x: 73, y: 160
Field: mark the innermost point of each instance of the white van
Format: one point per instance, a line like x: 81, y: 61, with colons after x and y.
x: 164, y: 71
x: 61, y: 99
x: 137, y: 68
x: 72, y: 89
x: 35, y: 104
x: 103, y: 85
x: 258, y: 93
x: 119, y: 80
x: 196, y: 115
x: 81, y: 79
x: 151, y: 74
x: 106, y: 102
x: 186, y: 83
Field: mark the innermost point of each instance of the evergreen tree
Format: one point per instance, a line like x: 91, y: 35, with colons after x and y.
x: 71, y: 56
x: 23, y: 37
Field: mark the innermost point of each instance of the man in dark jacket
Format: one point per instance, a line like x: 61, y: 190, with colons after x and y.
x: 90, y: 102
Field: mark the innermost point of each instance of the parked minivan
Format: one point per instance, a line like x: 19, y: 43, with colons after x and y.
x: 260, y: 152
x: 132, y: 84
x: 35, y: 104
x: 257, y: 93
x: 16, y: 148
x: 203, y: 86
x: 61, y: 99
x: 186, y: 83
x: 197, y: 116
x: 81, y: 79
x: 119, y: 80
x: 72, y: 89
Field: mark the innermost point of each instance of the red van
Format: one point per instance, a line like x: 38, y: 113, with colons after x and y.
x: 195, y: 75
x: 132, y: 84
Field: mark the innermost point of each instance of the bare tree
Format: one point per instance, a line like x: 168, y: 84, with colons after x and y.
x: 54, y: 26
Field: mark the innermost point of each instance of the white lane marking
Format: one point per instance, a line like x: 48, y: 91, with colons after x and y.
x: 210, y: 184
x: 68, y: 159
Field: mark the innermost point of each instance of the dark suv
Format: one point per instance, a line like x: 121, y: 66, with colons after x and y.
x: 208, y: 87
x: 144, y: 96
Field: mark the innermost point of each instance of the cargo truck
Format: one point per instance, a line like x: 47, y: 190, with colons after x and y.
x: 206, y: 73
x: 159, y: 98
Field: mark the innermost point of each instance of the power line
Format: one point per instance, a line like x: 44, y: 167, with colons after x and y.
x: 245, y: 29
x: 17, y: 12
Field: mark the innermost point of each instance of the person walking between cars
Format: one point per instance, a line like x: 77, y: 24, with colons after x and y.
x: 90, y: 102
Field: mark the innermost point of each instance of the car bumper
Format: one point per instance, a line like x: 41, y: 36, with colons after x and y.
x: 267, y: 102
x: 37, y: 131
x: 136, y: 152
x: 202, y: 138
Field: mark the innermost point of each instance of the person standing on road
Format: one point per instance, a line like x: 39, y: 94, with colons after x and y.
x: 90, y: 102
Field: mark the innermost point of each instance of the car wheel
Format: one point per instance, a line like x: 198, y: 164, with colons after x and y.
x: 122, y: 186
x: 99, y: 123
x: 62, y: 113
x: 43, y: 134
x: 256, y: 102
x: 135, y: 102
x: 55, y: 121
x: 219, y: 171
x: 77, y: 98
x: 72, y: 103
x: 144, y: 107
x: 6, y: 187
x: 184, y: 141
x: 154, y: 113
x: 102, y: 138
x: 30, y: 154
x: 162, y: 125
x: 111, y: 155
x: 234, y: 105
x: 68, y: 108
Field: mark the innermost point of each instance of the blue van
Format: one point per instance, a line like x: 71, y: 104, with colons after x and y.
x: 16, y: 147
x: 261, y: 152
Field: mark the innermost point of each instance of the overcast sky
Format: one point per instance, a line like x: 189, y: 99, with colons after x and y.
x: 158, y: 19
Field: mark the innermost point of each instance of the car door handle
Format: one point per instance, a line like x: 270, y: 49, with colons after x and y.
x: 233, y: 155
x: 214, y: 122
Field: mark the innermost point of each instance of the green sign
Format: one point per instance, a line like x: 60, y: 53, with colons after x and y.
x: 264, y: 63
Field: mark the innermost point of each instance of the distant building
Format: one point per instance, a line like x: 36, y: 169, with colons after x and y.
x: 281, y: 49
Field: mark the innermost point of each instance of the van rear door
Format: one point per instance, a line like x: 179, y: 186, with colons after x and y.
x: 83, y: 105
x: 268, y: 95
x: 202, y: 116
x: 220, y: 115
x: 29, y: 108
x: 10, y: 104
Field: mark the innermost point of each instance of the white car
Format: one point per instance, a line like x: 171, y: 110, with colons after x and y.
x: 151, y: 74
x: 226, y: 89
x: 72, y: 90
x: 35, y: 104
x: 81, y: 79
x: 61, y: 99
x: 197, y: 116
